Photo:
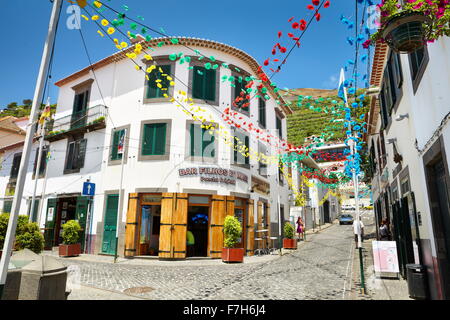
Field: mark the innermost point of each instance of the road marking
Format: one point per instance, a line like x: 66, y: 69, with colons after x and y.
x: 352, y: 252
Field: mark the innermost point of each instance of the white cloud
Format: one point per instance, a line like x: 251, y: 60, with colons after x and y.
x: 331, y: 83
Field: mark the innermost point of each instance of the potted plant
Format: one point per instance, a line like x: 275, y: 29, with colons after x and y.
x: 29, y: 237
x: 70, y: 235
x: 288, y: 241
x: 232, y: 231
x: 408, y: 27
x: 27, y: 234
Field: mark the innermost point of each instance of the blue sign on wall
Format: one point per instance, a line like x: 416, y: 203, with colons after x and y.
x: 88, y: 189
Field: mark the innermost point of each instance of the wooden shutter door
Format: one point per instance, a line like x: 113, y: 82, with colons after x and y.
x: 165, y: 233
x: 179, y: 226
x: 49, y: 231
x: 131, y: 228
x: 267, y: 222
x: 218, y: 209
x: 230, y: 206
x: 81, y: 216
x: 250, y: 228
x: 259, y: 223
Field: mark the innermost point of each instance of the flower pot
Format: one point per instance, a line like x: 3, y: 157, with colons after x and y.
x: 232, y: 254
x: 404, y: 33
x: 69, y: 250
x: 289, y: 243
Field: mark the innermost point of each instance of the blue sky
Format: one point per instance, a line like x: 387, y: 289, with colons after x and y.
x: 248, y: 25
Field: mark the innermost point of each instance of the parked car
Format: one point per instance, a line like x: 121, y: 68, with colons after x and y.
x: 345, y: 219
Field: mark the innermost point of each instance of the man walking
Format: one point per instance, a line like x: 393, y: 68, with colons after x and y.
x: 357, y: 228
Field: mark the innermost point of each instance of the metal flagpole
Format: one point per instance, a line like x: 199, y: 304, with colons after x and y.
x: 38, y: 165
x: 119, y: 210
x: 28, y: 143
x: 355, y: 182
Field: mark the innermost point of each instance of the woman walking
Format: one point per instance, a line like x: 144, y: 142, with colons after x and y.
x: 300, y: 228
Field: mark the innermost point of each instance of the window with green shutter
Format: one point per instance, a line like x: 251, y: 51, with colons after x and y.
x: 202, y: 142
x: 240, y: 91
x: 279, y: 127
x: 262, y: 112
x: 153, y: 90
x: 117, y: 137
x: 76, y: 152
x: 154, y: 140
x: 7, y: 204
x: 204, y: 84
x: 240, y: 147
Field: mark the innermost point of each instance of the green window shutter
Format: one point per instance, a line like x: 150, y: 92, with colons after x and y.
x: 247, y: 144
x: 159, y: 139
x: 70, y: 151
x: 152, y: 88
x: 154, y: 141
x: 207, y: 140
x: 196, y: 140
x: 164, y: 82
x: 198, y: 80
x: 147, y: 140
x: 7, y: 204
x: 81, y: 153
x: 262, y: 112
x: 210, y: 85
x: 114, y: 155
x: 279, y: 127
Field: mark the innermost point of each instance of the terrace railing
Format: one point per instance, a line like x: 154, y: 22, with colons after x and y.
x: 91, y: 117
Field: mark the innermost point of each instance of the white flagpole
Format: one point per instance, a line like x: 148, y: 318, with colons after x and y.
x: 38, y: 165
x: 355, y: 181
x: 28, y: 143
x: 119, y: 210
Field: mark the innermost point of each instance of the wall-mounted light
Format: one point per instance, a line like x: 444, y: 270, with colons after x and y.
x: 402, y: 116
x: 390, y: 141
x: 374, y: 91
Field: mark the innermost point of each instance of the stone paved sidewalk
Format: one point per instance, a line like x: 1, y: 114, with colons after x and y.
x: 376, y: 288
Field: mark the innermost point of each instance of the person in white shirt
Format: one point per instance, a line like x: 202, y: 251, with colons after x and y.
x: 356, y: 228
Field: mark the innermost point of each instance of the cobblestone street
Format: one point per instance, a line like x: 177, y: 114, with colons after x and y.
x: 319, y: 269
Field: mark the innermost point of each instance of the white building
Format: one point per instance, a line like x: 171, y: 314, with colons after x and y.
x: 176, y: 174
x: 408, y: 139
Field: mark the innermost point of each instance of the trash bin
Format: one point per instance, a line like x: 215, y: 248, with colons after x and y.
x: 41, y: 277
x: 417, y: 281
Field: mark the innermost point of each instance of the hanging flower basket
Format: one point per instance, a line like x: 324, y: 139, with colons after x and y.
x: 404, y: 33
x: 408, y: 26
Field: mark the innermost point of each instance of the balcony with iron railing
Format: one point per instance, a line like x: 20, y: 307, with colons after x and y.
x: 91, y: 119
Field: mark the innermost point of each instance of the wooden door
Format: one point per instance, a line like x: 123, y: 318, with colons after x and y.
x: 49, y: 229
x: 172, y: 234
x: 267, y: 223
x: 131, y: 228
x: 179, y: 226
x: 80, y: 216
x: 259, y: 225
x: 165, y: 232
x: 218, y: 212
x: 230, y: 205
x: 110, y: 224
x: 250, y: 228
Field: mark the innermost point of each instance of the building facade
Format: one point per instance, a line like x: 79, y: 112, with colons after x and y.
x: 408, y: 139
x: 176, y: 174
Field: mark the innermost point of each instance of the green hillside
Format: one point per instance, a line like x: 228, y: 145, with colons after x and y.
x: 20, y: 110
x: 305, y: 122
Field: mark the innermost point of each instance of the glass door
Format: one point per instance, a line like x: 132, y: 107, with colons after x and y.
x: 145, y: 233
